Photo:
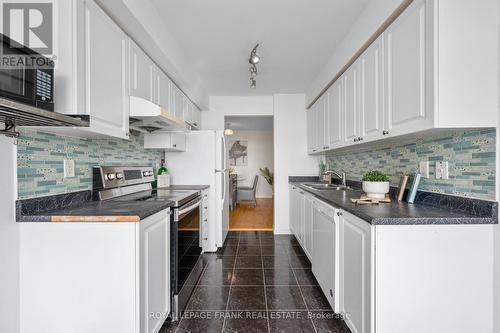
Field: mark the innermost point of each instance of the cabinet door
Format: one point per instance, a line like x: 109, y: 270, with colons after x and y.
x: 293, y: 217
x: 161, y: 89
x: 178, y: 141
x: 188, y: 111
x: 196, y: 117
x: 408, y: 63
x: 321, y: 123
x: 325, y: 254
x: 155, y: 271
x: 356, y: 273
x: 351, y: 100
x: 300, y: 217
x: 335, y: 115
x: 308, y: 217
x: 141, y: 73
x: 106, y: 48
x: 372, y: 91
x: 178, y: 102
x: 310, y: 129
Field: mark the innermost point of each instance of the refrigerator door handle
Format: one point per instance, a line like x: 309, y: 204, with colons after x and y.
x: 223, y: 177
x: 224, y: 163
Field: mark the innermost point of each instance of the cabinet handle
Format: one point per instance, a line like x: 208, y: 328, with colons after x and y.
x: 339, y: 214
x: 385, y: 132
x: 331, y: 293
x: 326, y: 147
x: 174, y: 145
x: 360, y: 139
x: 355, y: 139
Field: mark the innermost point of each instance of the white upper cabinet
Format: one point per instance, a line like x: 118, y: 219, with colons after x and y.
x: 413, y: 78
x: 321, y: 117
x: 351, y: 101
x: 106, y: 55
x: 177, y: 102
x: 310, y: 129
x: 161, y: 89
x: 197, y: 118
x: 408, y: 71
x: 335, y: 117
x: 371, y: 84
x: 142, y: 69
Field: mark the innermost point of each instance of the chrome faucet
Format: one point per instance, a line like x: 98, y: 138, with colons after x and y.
x: 341, y: 176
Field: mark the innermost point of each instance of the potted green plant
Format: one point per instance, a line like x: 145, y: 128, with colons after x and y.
x: 268, y: 176
x: 376, y: 184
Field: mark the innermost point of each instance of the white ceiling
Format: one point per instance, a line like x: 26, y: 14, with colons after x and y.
x: 297, y: 38
x: 249, y: 123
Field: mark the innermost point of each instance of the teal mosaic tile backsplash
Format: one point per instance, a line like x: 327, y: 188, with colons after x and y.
x: 470, y: 155
x: 40, y: 161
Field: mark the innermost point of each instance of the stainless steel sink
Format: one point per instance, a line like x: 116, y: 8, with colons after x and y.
x: 327, y: 187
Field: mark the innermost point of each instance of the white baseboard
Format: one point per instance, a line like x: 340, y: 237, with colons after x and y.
x: 282, y: 232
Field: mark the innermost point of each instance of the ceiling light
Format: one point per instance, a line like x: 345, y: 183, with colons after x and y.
x: 228, y: 131
x: 253, y: 60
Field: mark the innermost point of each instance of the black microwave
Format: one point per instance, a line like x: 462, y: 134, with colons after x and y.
x: 26, y: 76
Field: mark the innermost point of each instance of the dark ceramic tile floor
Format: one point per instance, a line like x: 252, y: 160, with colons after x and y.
x: 257, y: 282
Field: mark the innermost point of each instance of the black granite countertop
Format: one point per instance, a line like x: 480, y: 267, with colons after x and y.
x: 186, y: 187
x: 431, y: 209
x: 79, y: 207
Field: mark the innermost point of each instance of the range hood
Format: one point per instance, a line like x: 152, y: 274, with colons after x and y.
x: 148, y: 117
x: 14, y: 114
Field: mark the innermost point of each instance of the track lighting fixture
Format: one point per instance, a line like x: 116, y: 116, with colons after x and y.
x: 253, y: 60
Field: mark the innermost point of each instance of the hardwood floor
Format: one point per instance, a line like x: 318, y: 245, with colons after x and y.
x: 248, y: 217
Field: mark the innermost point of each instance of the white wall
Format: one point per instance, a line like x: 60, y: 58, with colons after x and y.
x: 9, y: 241
x: 290, y: 153
x: 260, y: 154
x: 221, y: 106
x: 372, y: 17
x: 290, y: 140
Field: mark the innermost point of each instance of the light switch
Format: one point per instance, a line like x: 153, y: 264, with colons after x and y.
x: 424, y: 169
x: 442, y: 170
x: 69, y: 168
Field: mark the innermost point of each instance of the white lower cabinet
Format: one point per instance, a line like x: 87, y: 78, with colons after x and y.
x: 307, y: 222
x: 155, y: 272
x: 356, y: 272
x: 103, y: 276
x: 325, y: 256
x: 381, y: 277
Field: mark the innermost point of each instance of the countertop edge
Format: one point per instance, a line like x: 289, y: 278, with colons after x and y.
x: 466, y: 220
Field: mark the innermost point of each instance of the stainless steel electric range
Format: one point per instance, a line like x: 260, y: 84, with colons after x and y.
x: 134, y: 184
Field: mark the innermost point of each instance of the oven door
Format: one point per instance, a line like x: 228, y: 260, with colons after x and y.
x: 187, y: 250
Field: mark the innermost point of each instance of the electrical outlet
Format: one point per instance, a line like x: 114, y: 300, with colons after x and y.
x: 442, y: 170
x: 424, y: 169
x: 69, y: 168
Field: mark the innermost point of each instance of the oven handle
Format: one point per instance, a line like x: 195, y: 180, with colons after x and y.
x: 192, y: 207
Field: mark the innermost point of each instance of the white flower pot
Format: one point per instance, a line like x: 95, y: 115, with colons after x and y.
x: 376, y: 190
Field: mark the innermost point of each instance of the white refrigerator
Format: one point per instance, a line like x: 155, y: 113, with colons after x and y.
x: 205, y: 163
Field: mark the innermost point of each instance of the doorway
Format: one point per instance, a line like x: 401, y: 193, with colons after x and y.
x: 250, y: 145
